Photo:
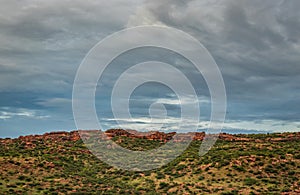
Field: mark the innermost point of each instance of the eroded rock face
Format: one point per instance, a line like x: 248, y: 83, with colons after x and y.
x: 73, y: 136
x: 30, y: 141
x: 55, y: 136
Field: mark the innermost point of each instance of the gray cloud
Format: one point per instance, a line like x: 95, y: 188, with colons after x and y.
x: 256, y: 47
x: 49, y: 39
x: 255, y: 43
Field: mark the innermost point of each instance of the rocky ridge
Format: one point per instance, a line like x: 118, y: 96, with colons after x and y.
x: 152, y: 135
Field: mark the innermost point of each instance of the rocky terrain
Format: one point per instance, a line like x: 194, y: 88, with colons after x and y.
x: 60, y: 163
x: 152, y: 135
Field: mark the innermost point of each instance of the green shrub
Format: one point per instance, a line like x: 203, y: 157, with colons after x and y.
x: 239, y: 168
x: 250, y: 181
x: 163, y: 185
x: 201, y: 178
x: 160, y: 175
x: 22, y: 177
x: 230, y: 193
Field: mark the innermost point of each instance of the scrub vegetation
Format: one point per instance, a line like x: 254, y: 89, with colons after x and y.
x: 64, y: 166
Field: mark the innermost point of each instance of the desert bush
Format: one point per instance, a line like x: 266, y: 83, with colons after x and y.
x: 160, y: 175
x: 201, y: 178
x: 230, y: 193
x: 250, y: 181
x: 163, y: 185
x: 239, y: 168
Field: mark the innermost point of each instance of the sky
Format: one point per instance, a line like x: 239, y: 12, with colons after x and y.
x: 256, y: 45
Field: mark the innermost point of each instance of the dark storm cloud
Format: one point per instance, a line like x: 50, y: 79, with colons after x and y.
x: 255, y: 44
x: 41, y: 45
x: 52, y: 37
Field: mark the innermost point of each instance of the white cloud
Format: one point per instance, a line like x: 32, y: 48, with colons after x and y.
x: 172, y: 124
x: 8, y: 113
x: 264, y: 125
x: 183, y: 101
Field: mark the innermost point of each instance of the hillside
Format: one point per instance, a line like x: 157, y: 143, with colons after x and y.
x: 60, y: 163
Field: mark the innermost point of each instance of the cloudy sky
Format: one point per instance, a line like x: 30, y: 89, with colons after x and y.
x: 256, y: 45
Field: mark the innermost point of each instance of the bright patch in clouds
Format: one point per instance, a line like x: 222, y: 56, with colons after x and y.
x: 6, y: 113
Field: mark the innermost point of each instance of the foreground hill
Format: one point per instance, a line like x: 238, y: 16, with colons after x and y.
x: 59, y: 163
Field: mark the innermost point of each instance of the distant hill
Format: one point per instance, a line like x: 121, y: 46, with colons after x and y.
x: 155, y: 135
x: 60, y: 163
x: 243, y: 131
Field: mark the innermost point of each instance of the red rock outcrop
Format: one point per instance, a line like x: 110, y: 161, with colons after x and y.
x: 29, y: 141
